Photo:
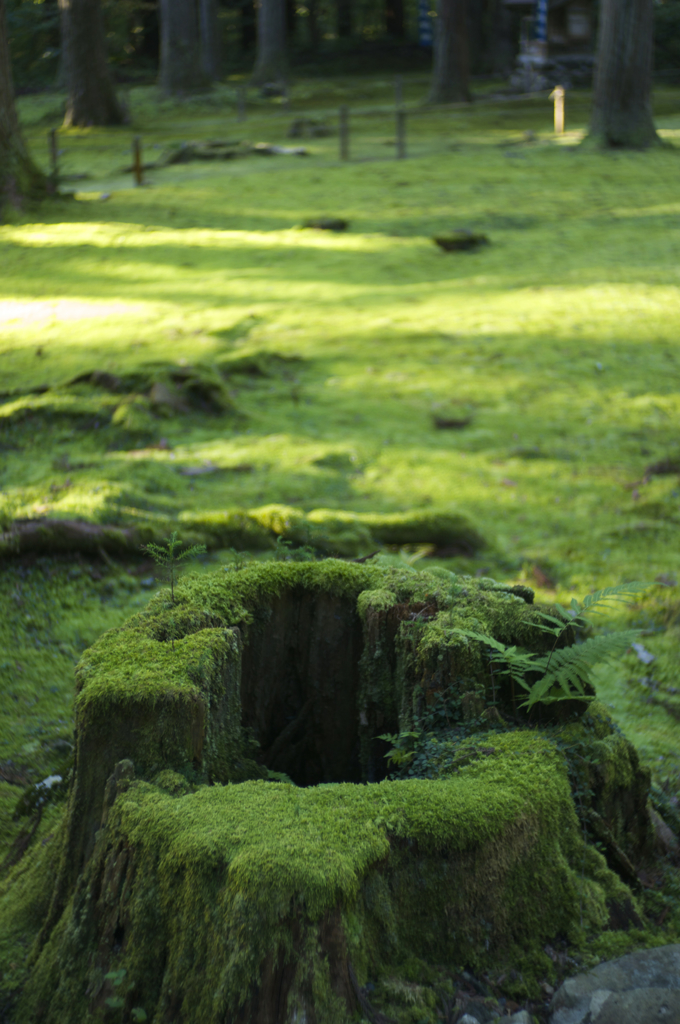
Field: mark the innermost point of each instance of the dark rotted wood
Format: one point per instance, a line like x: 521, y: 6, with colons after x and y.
x: 300, y: 677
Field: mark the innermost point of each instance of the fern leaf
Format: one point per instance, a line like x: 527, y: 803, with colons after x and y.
x: 568, y: 668
x: 601, y: 598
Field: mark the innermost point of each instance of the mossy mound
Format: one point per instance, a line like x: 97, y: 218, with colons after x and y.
x: 333, y: 531
x: 127, y: 405
x: 190, y: 888
x: 326, y: 531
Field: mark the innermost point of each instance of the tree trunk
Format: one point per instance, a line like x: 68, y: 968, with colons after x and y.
x: 491, y: 39
x: 248, y: 25
x: 19, y: 177
x: 291, y: 19
x: 345, y: 19
x: 622, y: 110
x: 394, y: 19
x: 181, y: 69
x: 450, y: 75
x: 210, y: 40
x: 91, y: 95
x: 271, y: 63
x: 314, y: 27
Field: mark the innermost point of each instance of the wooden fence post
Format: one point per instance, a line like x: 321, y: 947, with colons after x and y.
x: 398, y: 92
x: 137, y: 159
x: 344, y: 133
x: 401, y: 134
x: 54, y: 165
x: 558, y: 96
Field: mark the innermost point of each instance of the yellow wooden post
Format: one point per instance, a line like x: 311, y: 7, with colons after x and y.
x: 558, y: 96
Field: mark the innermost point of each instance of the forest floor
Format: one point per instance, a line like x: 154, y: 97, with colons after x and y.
x: 557, y: 345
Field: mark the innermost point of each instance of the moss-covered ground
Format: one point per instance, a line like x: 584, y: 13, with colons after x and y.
x: 557, y: 343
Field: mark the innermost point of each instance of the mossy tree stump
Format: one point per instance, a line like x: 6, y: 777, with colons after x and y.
x: 223, y: 896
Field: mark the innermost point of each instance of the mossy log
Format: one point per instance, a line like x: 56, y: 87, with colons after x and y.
x: 218, y: 894
x: 326, y: 530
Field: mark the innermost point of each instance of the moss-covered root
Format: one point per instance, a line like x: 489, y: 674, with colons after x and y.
x: 245, y: 902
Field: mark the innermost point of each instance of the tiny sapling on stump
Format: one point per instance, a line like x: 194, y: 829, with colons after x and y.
x: 170, y: 562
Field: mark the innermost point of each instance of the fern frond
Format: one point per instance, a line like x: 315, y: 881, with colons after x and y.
x: 569, y: 667
x: 513, y: 659
x: 601, y: 598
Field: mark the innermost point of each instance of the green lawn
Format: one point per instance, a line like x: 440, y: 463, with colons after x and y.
x: 560, y: 341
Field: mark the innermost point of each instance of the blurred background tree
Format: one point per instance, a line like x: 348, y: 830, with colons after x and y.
x: 19, y: 177
x: 91, y: 96
x: 321, y: 37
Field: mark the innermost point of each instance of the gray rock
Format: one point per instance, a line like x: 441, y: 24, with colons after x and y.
x: 642, y: 1006
x: 468, y: 1019
x: 639, y: 988
x: 521, y: 1017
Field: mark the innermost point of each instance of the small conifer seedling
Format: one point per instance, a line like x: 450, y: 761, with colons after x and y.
x: 170, y: 561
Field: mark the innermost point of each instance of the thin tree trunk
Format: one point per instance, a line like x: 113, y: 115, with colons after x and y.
x: 180, y: 69
x: 248, y: 25
x: 622, y: 108
x: 450, y: 75
x: 271, y: 63
x: 291, y: 19
x: 394, y: 19
x: 314, y: 29
x: 19, y: 177
x: 210, y: 40
x: 91, y: 95
x: 345, y: 23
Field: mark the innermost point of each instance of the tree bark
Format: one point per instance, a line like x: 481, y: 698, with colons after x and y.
x: 622, y: 109
x: 248, y: 25
x: 181, y: 70
x: 210, y: 48
x: 491, y: 39
x: 394, y: 19
x: 91, y: 95
x: 19, y: 177
x: 451, y: 72
x: 314, y: 27
x: 271, y: 63
x: 345, y: 24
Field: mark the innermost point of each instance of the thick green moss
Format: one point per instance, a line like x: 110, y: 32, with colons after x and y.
x: 252, y: 898
x: 202, y: 894
x: 25, y: 893
x: 333, y: 531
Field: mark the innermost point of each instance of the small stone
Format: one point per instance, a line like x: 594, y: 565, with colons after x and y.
x: 521, y: 1017
x: 459, y: 241
x: 165, y: 400
x: 327, y: 224
x: 467, y: 1018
